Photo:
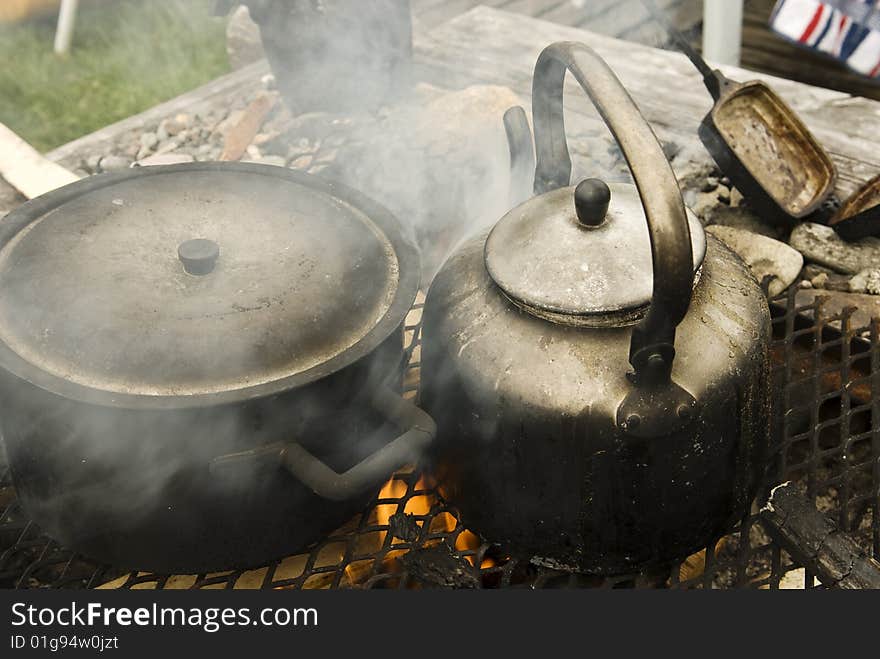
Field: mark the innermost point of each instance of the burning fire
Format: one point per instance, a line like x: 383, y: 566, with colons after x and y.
x: 420, y: 505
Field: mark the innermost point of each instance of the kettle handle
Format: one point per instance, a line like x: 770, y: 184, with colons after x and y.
x: 651, y: 348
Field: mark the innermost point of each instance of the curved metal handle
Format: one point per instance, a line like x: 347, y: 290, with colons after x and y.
x: 651, y: 350
x: 418, y: 431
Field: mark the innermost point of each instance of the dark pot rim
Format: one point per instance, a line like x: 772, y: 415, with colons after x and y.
x: 408, y: 285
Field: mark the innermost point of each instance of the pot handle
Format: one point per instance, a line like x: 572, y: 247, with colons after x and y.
x: 653, y: 339
x: 418, y: 432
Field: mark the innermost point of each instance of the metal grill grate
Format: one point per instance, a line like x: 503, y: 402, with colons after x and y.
x: 826, y: 423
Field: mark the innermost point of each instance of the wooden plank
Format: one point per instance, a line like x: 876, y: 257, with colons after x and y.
x: 487, y: 45
x: 620, y: 18
x: 433, y: 12
x: 26, y: 169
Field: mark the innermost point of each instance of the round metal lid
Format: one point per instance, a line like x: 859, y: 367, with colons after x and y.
x: 214, y: 280
x: 579, y: 271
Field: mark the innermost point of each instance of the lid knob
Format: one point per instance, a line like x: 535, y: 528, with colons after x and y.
x: 198, y: 255
x: 591, y: 199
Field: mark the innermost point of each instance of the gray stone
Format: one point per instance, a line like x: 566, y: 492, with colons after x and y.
x: 828, y: 278
x: 764, y: 256
x: 301, y: 162
x: 176, y: 124
x: 701, y: 203
x: 739, y: 217
x: 822, y: 245
x: 149, y: 140
x: 277, y: 161
x: 167, y: 147
x: 113, y: 163
x: 834, y: 303
x: 867, y: 281
x: 243, y: 43
x: 709, y: 185
x: 92, y: 163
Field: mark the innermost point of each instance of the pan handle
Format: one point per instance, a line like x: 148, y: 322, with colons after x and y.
x: 653, y: 339
x: 418, y: 432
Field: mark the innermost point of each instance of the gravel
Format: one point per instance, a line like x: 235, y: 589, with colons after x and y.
x: 319, y: 143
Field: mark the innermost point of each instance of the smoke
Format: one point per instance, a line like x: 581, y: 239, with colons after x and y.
x: 438, y: 159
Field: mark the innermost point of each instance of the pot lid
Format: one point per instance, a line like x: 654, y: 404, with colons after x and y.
x: 580, y: 255
x: 218, y: 280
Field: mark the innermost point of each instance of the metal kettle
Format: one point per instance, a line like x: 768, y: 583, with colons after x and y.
x: 597, y: 366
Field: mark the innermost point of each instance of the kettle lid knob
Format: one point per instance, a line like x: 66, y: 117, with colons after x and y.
x: 592, y: 197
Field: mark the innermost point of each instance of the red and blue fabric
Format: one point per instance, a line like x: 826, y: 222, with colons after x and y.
x: 848, y: 30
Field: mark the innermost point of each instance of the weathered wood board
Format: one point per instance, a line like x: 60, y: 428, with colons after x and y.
x: 488, y: 45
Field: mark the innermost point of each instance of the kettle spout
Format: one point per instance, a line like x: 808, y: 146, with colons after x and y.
x: 522, y: 155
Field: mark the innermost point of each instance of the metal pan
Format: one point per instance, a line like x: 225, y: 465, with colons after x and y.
x: 760, y: 143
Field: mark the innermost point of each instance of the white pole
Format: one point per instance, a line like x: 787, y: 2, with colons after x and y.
x: 64, y: 31
x: 722, y: 30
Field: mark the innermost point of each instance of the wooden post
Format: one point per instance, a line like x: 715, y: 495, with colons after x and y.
x: 722, y: 31
x: 66, y: 21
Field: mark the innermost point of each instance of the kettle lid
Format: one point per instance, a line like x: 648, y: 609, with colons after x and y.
x: 580, y: 255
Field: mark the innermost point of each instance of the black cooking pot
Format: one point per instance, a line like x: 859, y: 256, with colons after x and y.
x: 335, y: 55
x: 198, y: 363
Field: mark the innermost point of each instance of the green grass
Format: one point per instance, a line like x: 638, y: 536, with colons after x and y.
x: 127, y: 56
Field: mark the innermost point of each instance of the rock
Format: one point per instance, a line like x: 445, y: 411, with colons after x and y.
x: 302, y: 162
x: 243, y: 43
x: 866, y: 306
x: 736, y: 197
x: 113, y: 163
x: 164, y: 159
x: 269, y: 81
x: 92, y: 163
x: 822, y: 245
x: 724, y: 194
x: 709, y: 185
x: 277, y: 161
x: 701, y: 203
x: 176, y: 124
x: 867, y: 281
x: 671, y: 150
x: 739, y: 217
x: 826, y: 278
x: 149, y: 140
x: 167, y: 147
x: 229, y: 122
x: 764, y: 256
